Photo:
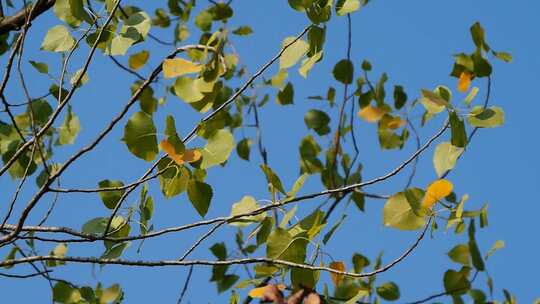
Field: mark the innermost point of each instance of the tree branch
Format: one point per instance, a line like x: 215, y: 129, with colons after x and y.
x: 16, y: 21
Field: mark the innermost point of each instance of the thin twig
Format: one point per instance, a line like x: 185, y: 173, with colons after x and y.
x: 186, y: 284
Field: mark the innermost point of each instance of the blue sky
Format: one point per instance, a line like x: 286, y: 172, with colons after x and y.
x: 413, y: 42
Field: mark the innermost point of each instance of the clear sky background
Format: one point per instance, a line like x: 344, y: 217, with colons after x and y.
x: 412, y: 41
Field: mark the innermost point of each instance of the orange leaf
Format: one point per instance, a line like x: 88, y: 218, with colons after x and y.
x: 436, y: 191
x: 180, y: 158
x: 191, y: 156
x: 177, y: 67
x: 171, y: 152
x: 264, y: 291
x: 464, y: 81
x: 336, y: 278
x: 371, y: 114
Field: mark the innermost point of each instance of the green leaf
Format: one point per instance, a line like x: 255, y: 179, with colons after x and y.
x: 64, y: 293
x: 344, y: 7
x: 460, y: 254
x: 285, y: 96
x: 273, y: 179
x: 318, y: 121
x: 174, y: 179
x: 293, y: 53
x: 200, y: 194
x: 316, y: 38
x: 140, y: 136
x: 113, y: 293
x: 243, y: 31
x: 359, y: 262
x: 478, y: 36
x: 486, y: 118
x: 343, y: 71
x: 304, y: 278
x: 400, y: 97
x: 227, y: 282
x: 243, y: 148
x: 137, y: 60
x: 187, y: 89
x: 504, y: 56
x: 456, y: 282
x: 459, y: 136
x: 204, y: 21
x: 388, y: 291
x: 281, y: 245
x: 497, y: 246
x: 71, y: 12
x: 246, y: 205
x: 221, y: 11
x: 433, y: 102
x: 58, y: 39
x: 397, y: 213
x: 445, y: 157
x: 69, y: 129
x: 59, y: 251
x: 111, y: 198
x: 134, y: 29
x: 115, y: 251
x: 217, y: 149
x: 482, y: 68
x: 266, y: 227
x: 41, y: 67
x: 476, y: 256
x: 296, y: 186
x: 366, y: 65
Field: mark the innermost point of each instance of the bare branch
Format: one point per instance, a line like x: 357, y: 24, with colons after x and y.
x: 16, y: 21
x: 142, y: 263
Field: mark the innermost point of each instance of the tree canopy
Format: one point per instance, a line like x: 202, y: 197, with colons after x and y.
x: 192, y: 114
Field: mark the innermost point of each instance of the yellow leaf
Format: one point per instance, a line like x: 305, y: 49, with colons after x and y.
x: 337, y: 278
x: 177, y: 67
x: 259, y: 291
x: 180, y: 158
x: 436, y: 191
x: 371, y: 114
x: 464, y: 81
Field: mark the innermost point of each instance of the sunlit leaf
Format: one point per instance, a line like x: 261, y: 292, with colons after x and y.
x: 486, y: 118
x: 436, y: 191
x: 445, y: 157
x: 58, y: 39
x: 464, y: 81
x: 337, y: 278
x: 398, y: 213
x: 371, y: 114
x: 293, y: 53
x: 217, y: 149
x: 344, y: 7
x: 246, y: 205
x: 188, y: 156
x: 178, y: 66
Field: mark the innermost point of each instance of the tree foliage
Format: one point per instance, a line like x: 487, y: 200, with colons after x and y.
x: 282, y: 242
